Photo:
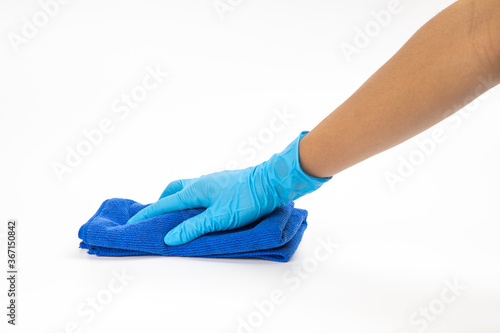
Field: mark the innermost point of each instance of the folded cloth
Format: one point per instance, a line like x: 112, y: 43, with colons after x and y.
x: 275, y: 236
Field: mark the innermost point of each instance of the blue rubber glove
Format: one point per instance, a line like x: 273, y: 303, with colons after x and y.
x: 233, y: 198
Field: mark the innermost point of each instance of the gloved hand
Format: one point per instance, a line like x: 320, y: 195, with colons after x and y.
x: 233, y: 198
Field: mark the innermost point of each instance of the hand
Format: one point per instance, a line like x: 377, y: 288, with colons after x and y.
x: 233, y: 198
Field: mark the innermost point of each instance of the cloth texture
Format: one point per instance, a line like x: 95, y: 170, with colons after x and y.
x: 275, y: 236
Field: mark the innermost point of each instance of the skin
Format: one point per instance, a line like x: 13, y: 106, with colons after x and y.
x: 450, y: 57
x: 450, y: 61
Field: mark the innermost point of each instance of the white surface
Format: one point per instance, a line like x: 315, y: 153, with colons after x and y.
x: 396, y: 248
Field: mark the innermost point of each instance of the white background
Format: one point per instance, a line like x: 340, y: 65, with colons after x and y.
x: 227, y: 76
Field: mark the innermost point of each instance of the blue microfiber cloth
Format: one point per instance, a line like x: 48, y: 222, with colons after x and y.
x: 275, y: 236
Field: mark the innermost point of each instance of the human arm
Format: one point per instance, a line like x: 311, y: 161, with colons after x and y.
x: 428, y: 79
x: 421, y: 84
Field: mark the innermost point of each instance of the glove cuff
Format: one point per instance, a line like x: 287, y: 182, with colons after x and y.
x: 286, y: 175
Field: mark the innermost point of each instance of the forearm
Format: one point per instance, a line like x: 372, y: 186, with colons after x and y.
x: 428, y: 79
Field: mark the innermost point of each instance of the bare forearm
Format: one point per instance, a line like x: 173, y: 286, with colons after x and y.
x: 449, y: 58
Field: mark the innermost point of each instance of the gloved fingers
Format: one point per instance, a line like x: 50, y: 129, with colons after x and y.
x: 172, y: 203
x: 175, y: 187
x: 193, y: 228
